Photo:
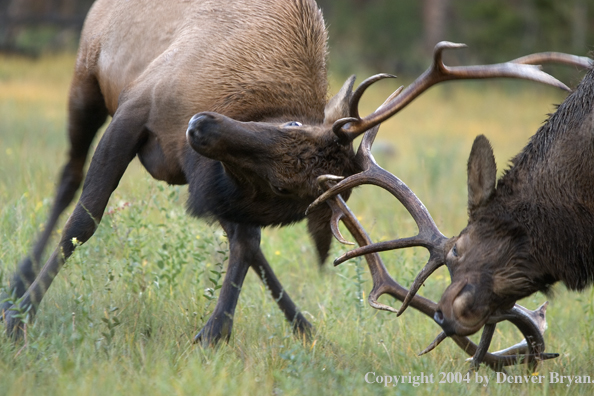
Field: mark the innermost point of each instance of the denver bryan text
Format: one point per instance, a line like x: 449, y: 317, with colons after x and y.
x: 552, y: 378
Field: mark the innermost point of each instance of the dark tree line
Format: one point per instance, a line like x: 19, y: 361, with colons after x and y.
x: 398, y: 35
x: 382, y: 35
x: 35, y: 26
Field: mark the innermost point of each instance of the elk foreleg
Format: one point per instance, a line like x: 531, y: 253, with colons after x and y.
x: 86, y: 113
x: 300, y: 325
x: 244, y: 243
x: 116, y: 149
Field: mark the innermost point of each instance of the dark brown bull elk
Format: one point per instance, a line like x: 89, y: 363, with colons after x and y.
x: 538, y: 217
x: 532, y: 323
x: 251, y: 157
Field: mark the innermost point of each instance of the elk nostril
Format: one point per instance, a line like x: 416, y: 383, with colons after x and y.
x: 194, y: 125
x: 438, y: 317
x: 190, y: 132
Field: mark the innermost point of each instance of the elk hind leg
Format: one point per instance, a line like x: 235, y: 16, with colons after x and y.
x: 116, y: 149
x: 300, y: 325
x: 86, y: 114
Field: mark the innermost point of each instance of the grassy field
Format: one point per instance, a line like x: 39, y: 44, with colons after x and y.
x: 121, y: 316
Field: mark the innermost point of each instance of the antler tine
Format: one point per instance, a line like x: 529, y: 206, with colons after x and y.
x: 440, y: 337
x: 421, y: 277
x: 483, y: 347
x: 538, y: 316
x: 554, y: 57
x: 325, y: 181
x: 382, y: 281
x: 364, y: 155
x: 354, y: 104
x: 439, y: 72
x: 365, y: 147
x: 428, y: 237
x: 532, y: 324
x: 495, y: 360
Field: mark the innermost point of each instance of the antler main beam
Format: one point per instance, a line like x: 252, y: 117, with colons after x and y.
x: 350, y: 128
x: 554, y: 57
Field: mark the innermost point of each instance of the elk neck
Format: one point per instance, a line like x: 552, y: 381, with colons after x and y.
x: 549, y: 190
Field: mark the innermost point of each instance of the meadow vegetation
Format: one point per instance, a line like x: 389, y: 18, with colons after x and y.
x: 121, y: 316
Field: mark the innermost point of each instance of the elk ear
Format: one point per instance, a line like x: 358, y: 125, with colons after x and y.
x: 318, y: 225
x: 338, y: 106
x: 482, y: 173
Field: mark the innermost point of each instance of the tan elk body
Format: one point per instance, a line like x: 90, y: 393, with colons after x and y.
x: 173, y: 59
x: 152, y: 65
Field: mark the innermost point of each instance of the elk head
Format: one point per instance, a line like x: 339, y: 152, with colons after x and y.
x: 489, y: 262
x: 271, y: 166
x: 283, y: 155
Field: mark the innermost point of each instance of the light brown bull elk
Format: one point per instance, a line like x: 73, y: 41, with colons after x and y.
x: 260, y: 130
x: 429, y: 235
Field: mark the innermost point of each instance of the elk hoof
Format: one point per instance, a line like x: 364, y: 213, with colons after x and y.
x: 4, y: 307
x: 14, y: 327
x: 303, y: 329
x: 213, y: 332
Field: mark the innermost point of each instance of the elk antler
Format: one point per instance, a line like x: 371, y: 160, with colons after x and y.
x: 531, y: 324
x: 347, y: 129
x: 554, y: 57
x: 429, y: 235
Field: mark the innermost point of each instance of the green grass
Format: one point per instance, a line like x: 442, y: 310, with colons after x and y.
x: 120, y: 317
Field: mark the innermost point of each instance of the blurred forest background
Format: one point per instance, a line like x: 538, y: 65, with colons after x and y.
x: 379, y: 35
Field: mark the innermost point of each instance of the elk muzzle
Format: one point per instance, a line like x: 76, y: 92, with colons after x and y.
x: 459, y: 311
x: 204, y: 132
x: 224, y: 139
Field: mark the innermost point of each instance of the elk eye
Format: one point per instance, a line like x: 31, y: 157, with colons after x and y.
x: 455, y: 251
x: 293, y: 124
x: 280, y: 190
